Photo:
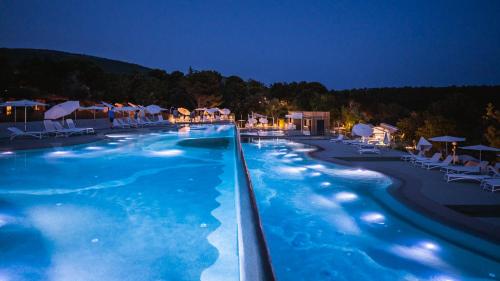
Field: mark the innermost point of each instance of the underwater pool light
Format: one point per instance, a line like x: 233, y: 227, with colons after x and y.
x: 373, y: 218
x: 345, y: 196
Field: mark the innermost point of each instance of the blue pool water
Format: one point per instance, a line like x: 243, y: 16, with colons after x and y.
x: 156, y: 206
x: 324, y: 222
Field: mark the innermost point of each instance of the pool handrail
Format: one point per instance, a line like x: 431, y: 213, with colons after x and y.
x: 255, y: 260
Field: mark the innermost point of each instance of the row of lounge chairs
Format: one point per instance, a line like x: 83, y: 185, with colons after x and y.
x: 362, y: 146
x: 487, y: 176
x: 51, y: 128
x: 128, y: 122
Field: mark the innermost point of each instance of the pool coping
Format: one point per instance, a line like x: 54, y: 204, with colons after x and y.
x: 396, y: 192
x: 255, y: 263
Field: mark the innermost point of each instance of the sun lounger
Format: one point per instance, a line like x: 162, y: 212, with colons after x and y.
x: 369, y: 150
x: 131, y: 122
x: 118, y: 123
x: 146, y: 122
x: 357, y: 141
x: 464, y: 169
x: 339, y: 138
x: 67, y: 132
x: 433, y: 165
x: 433, y: 159
x: 461, y: 177
x: 15, y: 132
x: 492, y: 185
x: 151, y: 121
x: 72, y: 126
x: 411, y: 155
x: 50, y: 128
x: 491, y: 173
x: 161, y: 120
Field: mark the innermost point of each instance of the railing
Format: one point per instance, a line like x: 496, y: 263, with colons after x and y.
x: 255, y: 261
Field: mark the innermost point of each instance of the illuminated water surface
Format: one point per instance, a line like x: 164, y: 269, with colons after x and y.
x: 134, y: 207
x: 322, y: 223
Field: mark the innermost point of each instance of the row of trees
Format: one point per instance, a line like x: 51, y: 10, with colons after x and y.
x: 467, y: 111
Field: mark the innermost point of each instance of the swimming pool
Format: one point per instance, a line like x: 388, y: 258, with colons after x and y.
x: 152, y: 206
x: 325, y: 222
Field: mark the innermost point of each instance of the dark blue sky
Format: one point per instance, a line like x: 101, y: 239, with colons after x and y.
x: 343, y: 44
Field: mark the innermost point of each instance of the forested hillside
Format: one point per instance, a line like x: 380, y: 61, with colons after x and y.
x: 466, y: 111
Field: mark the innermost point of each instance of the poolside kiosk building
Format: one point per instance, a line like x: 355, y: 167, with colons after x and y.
x: 315, y: 123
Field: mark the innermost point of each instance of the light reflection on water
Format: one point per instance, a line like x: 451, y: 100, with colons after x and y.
x: 323, y: 222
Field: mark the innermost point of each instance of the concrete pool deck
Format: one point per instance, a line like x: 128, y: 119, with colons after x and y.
x: 462, y: 205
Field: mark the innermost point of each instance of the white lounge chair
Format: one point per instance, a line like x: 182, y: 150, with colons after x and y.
x: 15, y: 132
x: 411, y: 155
x: 491, y: 173
x: 432, y: 165
x: 369, y: 150
x: 65, y: 131
x: 146, y: 122
x: 161, y: 120
x: 492, y: 185
x: 349, y: 142
x: 339, y: 138
x: 118, y: 123
x: 461, y: 177
x: 72, y: 126
x: 433, y: 159
x: 51, y: 129
x: 132, y: 122
x: 465, y: 169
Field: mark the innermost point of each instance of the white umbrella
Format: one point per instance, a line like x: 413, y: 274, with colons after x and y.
x: 480, y: 148
x: 154, y: 109
x: 423, y: 144
x: 446, y: 140
x: 124, y: 109
x: 183, y: 111
x: 362, y: 130
x: 212, y: 110
x: 108, y: 105
x: 21, y: 103
x: 93, y: 108
x: 263, y: 120
x: 62, y: 109
x: 386, y: 139
x: 225, y: 111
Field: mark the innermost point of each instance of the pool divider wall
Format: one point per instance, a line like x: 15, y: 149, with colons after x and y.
x: 255, y: 260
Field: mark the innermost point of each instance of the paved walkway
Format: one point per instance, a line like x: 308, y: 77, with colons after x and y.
x: 461, y: 205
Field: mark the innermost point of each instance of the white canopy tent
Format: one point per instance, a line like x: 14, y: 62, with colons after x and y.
x: 423, y: 144
x: 21, y: 103
x: 480, y: 148
x: 61, y: 110
x: 295, y: 116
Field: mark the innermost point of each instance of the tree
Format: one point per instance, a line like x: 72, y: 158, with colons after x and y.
x: 436, y: 125
x: 492, y: 118
x: 204, y: 88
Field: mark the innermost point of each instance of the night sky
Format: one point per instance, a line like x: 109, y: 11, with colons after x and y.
x: 343, y: 44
